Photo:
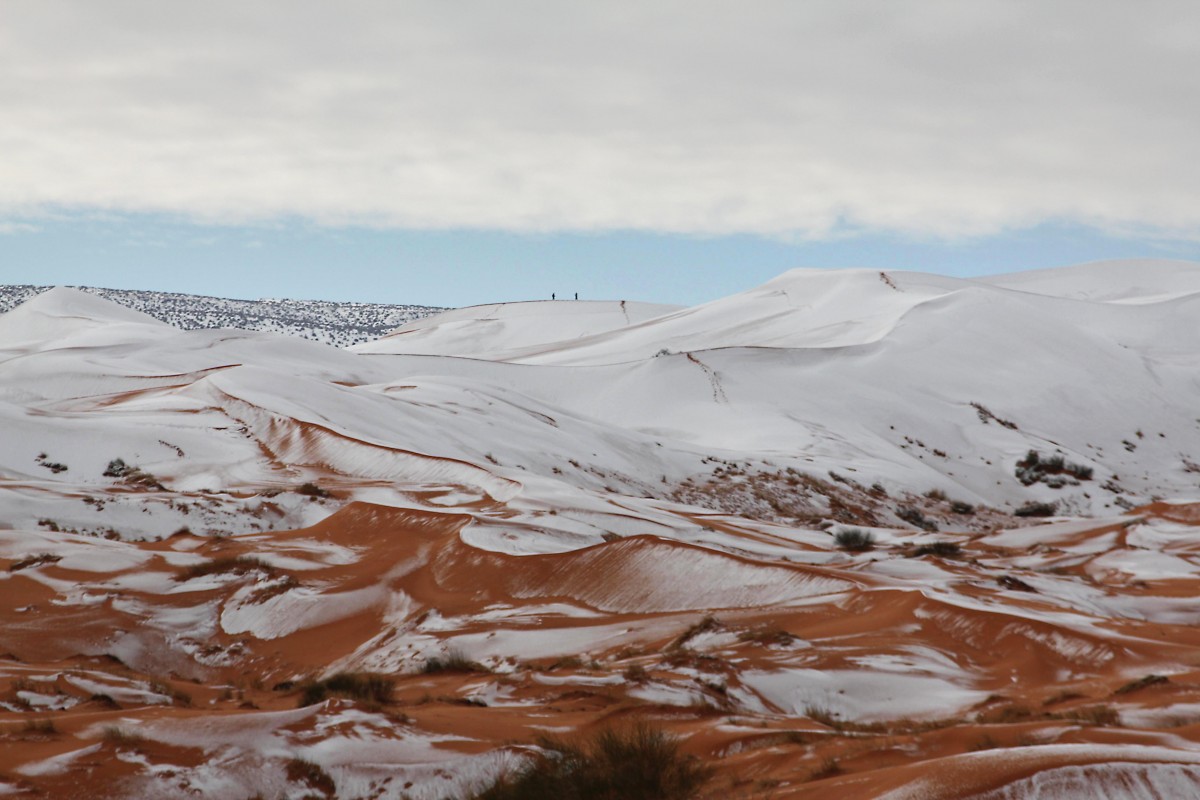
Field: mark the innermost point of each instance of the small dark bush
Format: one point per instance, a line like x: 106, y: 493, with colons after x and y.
x: 914, y: 517
x: 1036, y: 510
x: 638, y: 763
x: 1015, y: 584
x: 986, y: 416
x: 767, y: 636
x: 1052, y: 470
x: 134, y: 476
x: 636, y: 673
x: 239, y: 565
x: 117, y: 468
x: 708, y: 623
x: 312, y: 776
x: 1142, y: 683
x: 367, y: 687
x: 453, y: 661
x: 1091, y: 715
x: 39, y: 727
x: 959, y: 507
x: 854, y: 540
x: 121, y: 736
x: 34, y: 561
x: 312, y: 490
x: 940, y: 549
x: 54, y: 466
x: 936, y: 495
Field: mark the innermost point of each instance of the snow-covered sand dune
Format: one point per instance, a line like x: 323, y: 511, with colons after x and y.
x: 598, y: 512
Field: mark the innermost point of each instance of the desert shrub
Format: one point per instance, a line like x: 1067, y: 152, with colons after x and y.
x: 1015, y: 584
x: 312, y: 776
x: 34, y: 561
x: 1142, y: 683
x: 936, y: 495
x: 959, y: 507
x: 54, y: 466
x: 177, y: 696
x: 238, y: 565
x: 941, y: 549
x: 708, y: 623
x: 121, y: 736
x: 915, y: 518
x: 826, y: 769
x: 1034, y: 509
x: 1055, y: 471
x: 767, y: 636
x: 135, y: 476
x: 312, y: 490
x: 636, y: 763
x: 367, y: 687
x: 854, y: 540
x: 275, y: 589
x: 985, y: 416
x: 1091, y: 715
x: 39, y: 727
x: 117, y: 468
x: 636, y: 673
x: 452, y: 661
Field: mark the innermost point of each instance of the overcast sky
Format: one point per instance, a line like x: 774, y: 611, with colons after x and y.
x: 800, y: 124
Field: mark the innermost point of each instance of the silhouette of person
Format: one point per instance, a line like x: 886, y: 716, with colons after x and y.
x: 552, y: 297
x: 577, y: 295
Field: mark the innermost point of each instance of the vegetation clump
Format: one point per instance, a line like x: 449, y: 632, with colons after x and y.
x: 1035, y: 509
x: 767, y: 636
x: 38, y: 728
x: 238, y: 565
x: 312, y: 776
x: 134, y: 476
x: 312, y: 490
x: 637, y: 763
x: 54, y: 466
x: 1054, y: 471
x: 915, y: 518
x: 1142, y: 683
x: 367, y: 687
x: 35, y: 560
x: 986, y: 416
x: 854, y: 540
x: 121, y: 736
x: 707, y: 624
x: 942, y: 549
x: 452, y: 661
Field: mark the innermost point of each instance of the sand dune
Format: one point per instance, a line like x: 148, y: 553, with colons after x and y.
x: 560, y: 517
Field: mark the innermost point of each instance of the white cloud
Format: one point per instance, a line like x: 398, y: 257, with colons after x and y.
x: 935, y: 117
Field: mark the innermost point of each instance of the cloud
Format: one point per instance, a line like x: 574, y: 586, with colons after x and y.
x: 814, y: 119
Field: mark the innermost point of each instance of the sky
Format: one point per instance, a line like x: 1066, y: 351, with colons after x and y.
x: 468, y: 152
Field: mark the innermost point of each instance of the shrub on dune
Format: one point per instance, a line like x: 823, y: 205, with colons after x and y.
x: 636, y: 763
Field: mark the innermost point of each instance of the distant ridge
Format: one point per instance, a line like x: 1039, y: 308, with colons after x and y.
x: 333, y: 323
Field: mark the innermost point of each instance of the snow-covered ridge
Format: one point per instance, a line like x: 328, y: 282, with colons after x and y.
x: 334, y: 323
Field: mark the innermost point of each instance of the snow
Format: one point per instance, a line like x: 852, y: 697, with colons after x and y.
x: 552, y: 441
x: 863, y: 695
x: 1115, y: 781
x: 56, y: 765
x: 296, y: 609
x: 498, y: 331
x: 338, y: 324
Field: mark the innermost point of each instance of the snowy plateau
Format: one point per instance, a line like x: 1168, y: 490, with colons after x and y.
x: 849, y: 534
